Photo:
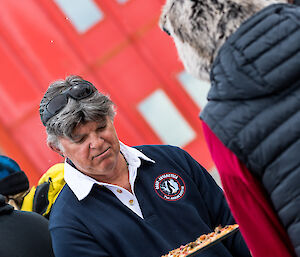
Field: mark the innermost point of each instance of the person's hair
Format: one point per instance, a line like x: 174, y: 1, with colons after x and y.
x: 95, y: 107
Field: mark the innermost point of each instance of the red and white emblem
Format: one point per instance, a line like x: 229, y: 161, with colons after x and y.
x: 169, y: 186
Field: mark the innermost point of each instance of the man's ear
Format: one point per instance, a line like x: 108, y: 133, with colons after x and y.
x: 56, y: 149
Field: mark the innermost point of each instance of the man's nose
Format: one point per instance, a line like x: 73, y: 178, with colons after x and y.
x: 96, y: 141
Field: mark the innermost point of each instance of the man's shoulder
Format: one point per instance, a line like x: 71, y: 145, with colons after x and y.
x: 165, y: 153
x: 152, y: 149
x: 66, y: 202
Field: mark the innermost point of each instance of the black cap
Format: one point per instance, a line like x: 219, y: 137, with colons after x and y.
x: 12, y: 179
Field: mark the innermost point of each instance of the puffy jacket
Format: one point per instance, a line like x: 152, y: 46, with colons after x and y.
x: 254, y: 105
x: 23, y: 234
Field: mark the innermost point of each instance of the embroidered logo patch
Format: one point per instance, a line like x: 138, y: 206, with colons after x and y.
x: 169, y: 186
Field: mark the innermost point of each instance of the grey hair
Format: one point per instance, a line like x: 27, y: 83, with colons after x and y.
x: 200, y: 27
x: 96, y: 107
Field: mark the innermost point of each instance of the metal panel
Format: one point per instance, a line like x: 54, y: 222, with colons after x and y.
x: 197, y: 89
x: 166, y: 120
x: 83, y: 14
x: 96, y: 44
x: 124, y: 53
x: 159, y: 52
x: 135, y: 16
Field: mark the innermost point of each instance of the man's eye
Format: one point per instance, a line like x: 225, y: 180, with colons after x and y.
x: 102, y: 127
x: 79, y: 140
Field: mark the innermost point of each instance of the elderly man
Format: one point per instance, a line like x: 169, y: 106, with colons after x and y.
x: 124, y: 201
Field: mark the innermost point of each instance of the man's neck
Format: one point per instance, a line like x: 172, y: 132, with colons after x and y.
x: 120, y: 175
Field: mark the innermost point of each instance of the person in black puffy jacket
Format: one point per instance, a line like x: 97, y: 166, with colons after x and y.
x: 22, y: 233
x: 250, y: 52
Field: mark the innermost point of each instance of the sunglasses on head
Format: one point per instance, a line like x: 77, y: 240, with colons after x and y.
x: 57, y: 103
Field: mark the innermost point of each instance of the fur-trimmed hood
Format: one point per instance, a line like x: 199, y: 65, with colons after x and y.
x: 200, y: 27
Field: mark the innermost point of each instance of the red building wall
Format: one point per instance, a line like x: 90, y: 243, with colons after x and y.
x: 124, y: 54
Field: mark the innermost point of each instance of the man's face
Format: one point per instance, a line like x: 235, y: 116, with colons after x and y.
x: 94, y: 149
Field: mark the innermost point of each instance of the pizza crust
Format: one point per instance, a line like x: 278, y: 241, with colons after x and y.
x: 202, y: 241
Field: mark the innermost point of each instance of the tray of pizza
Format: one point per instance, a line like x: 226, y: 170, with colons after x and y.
x: 203, y: 242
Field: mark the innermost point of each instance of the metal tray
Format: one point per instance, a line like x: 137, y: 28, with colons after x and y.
x: 214, y: 242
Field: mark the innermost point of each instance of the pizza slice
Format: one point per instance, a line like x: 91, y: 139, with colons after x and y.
x: 203, y: 241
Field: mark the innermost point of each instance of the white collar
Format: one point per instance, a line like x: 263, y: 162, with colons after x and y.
x: 81, y: 184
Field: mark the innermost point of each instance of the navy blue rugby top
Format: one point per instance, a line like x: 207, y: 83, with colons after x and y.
x: 179, y: 201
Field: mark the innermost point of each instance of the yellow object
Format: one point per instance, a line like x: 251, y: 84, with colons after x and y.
x: 28, y: 200
x: 52, y: 183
